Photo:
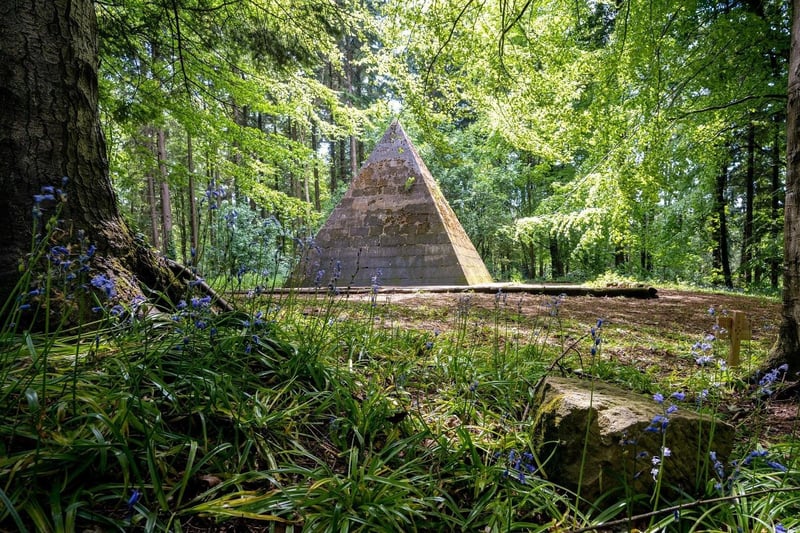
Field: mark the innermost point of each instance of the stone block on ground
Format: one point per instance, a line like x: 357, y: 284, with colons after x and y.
x: 622, y: 438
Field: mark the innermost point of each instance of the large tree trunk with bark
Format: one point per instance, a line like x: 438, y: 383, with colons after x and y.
x: 51, y: 129
x: 787, y: 349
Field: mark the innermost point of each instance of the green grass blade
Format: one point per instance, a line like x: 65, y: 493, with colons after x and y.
x: 12, y: 512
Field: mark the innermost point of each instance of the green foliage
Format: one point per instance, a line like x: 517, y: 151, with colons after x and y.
x: 602, y: 127
x: 241, y: 246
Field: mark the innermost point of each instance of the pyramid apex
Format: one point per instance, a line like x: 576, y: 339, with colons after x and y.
x: 394, y: 144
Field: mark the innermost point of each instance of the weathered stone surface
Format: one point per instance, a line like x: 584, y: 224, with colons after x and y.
x: 619, y: 449
x: 393, y: 220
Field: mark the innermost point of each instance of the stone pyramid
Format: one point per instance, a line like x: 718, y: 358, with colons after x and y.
x: 393, y: 227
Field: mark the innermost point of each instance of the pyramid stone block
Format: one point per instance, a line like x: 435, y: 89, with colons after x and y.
x: 394, y: 227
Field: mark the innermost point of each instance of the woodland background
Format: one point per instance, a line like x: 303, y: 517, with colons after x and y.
x: 573, y: 139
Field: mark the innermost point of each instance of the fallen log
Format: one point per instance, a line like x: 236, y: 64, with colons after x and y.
x: 555, y: 289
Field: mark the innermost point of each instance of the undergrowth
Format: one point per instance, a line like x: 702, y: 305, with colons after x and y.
x: 321, y: 413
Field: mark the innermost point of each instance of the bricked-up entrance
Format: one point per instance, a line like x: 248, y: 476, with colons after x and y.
x: 393, y: 223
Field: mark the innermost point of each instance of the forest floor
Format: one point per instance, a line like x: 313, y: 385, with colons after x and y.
x: 654, y: 335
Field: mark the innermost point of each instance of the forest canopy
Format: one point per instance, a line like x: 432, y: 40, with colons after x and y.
x: 573, y: 139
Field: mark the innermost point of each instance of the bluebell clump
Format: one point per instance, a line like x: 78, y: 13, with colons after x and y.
x: 517, y: 466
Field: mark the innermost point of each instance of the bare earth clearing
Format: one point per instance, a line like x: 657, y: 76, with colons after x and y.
x: 643, y: 333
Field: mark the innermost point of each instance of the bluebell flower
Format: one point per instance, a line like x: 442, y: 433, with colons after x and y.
x: 680, y: 396
x: 196, y: 302
x: 658, y: 398
x: 521, y: 465
x: 775, y: 465
x: 658, y: 424
x: 703, y: 360
x: 104, y: 283
x: 134, y: 499
x: 753, y: 455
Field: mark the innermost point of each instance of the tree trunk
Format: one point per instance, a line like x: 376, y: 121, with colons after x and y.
x: 750, y: 191
x: 166, y: 198
x: 721, y: 255
x: 787, y: 348
x: 343, y: 161
x: 152, y: 205
x: 775, y: 202
x: 193, y: 224
x: 315, y: 163
x: 353, y: 157
x: 51, y: 128
x: 557, y: 268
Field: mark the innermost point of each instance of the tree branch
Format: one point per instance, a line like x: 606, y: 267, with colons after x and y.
x: 444, y: 44
x: 732, y: 103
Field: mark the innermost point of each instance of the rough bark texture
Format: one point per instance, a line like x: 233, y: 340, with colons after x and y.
x: 51, y: 129
x: 787, y: 349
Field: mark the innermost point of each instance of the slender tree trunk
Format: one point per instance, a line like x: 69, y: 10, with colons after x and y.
x: 557, y: 266
x: 166, y: 199
x: 51, y: 128
x: 721, y: 255
x: 333, y: 166
x: 183, y: 228
x: 151, y: 193
x: 194, y: 238
x: 775, y: 202
x: 315, y: 167
x: 152, y: 204
x: 787, y: 348
x: 342, y: 161
x: 750, y: 191
x: 353, y: 157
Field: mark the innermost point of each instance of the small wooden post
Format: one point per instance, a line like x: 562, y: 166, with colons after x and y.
x: 736, y: 328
